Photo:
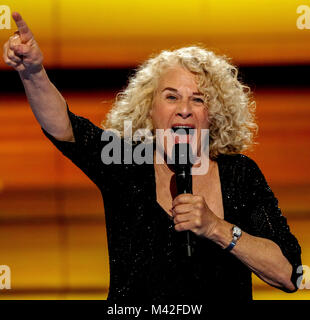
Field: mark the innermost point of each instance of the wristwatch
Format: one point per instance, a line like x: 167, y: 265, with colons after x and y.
x: 236, y: 231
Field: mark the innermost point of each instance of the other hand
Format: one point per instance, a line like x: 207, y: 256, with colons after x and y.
x: 191, y: 212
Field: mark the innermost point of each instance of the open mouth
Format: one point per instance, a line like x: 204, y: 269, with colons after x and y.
x: 183, y: 129
x: 183, y: 133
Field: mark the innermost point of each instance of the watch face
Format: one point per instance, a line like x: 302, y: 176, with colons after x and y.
x: 237, y: 231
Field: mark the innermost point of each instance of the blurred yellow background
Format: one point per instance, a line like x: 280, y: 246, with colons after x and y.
x: 52, y: 226
x: 78, y: 33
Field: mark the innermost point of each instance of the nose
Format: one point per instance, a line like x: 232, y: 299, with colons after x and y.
x: 184, y: 110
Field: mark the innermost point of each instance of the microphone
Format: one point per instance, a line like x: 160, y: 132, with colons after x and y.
x: 182, y: 153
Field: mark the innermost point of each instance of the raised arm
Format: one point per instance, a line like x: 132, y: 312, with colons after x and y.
x: 22, y: 52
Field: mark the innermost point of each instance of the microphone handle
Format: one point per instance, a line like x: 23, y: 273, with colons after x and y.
x: 184, y: 185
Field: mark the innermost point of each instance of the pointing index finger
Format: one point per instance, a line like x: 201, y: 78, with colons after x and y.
x: 23, y: 29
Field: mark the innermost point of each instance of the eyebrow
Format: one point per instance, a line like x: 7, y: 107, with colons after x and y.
x: 175, y: 90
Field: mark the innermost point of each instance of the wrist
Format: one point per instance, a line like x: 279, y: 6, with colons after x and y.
x: 33, y: 74
x: 221, y: 234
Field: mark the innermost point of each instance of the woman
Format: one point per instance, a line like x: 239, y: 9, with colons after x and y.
x: 233, y: 217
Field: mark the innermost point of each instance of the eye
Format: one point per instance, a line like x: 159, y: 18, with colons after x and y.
x: 171, y: 97
x: 198, y: 100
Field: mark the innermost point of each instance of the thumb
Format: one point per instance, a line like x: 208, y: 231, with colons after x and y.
x: 14, y: 40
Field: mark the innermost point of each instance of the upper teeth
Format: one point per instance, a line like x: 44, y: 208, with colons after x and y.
x: 181, y: 127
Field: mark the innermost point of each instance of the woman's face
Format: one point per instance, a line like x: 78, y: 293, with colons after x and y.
x: 178, y: 102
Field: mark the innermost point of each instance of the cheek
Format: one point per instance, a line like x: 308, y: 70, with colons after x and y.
x: 159, y: 114
x: 203, y: 117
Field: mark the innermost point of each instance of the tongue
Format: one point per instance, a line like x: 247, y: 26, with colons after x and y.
x: 181, y: 135
x: 181, y: 138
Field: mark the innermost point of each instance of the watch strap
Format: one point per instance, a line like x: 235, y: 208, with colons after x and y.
x: 231, y: 245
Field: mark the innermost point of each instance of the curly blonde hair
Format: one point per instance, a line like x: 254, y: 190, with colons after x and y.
x: 229, y: 102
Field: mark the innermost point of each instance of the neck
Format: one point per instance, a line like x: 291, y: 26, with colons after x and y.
x: 161, y: 166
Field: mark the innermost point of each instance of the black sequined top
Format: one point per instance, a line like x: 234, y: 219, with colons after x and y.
x: 147, y: 258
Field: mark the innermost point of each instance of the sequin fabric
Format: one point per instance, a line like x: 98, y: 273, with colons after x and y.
x: 147, y: 256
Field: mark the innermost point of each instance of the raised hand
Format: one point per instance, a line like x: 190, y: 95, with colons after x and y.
x: 21, y: 51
